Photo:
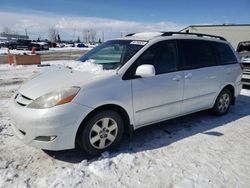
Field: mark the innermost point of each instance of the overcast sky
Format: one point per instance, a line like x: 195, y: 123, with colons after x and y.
x: 116, y: 18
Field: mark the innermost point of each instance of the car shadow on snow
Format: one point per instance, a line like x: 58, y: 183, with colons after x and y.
x: 163, y: 134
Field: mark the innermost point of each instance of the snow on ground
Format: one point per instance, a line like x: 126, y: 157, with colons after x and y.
x: 87, y: 66
x: 68, y: 49
x: 198, y: 150
x: 4, y: 51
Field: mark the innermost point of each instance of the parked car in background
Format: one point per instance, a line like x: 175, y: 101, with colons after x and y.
x: 10, y: 44
x: 44, y: 45
x: 23, y: 45
x: 243, y: 48
x: 151, y: 77
x: 244, y: 52
x: 81, y: 45
x: 70, y: 44
x: 246, y: 71
x: 40, y: 46
x: 36, y: 46
x: 51, y: 44
x: 2, y: 44
x: 60, y: 45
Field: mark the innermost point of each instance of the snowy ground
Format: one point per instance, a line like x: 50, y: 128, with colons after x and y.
x: 199, y: 150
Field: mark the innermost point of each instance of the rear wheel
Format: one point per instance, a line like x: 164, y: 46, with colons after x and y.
x: 103, y: 131
x: 223, y: 102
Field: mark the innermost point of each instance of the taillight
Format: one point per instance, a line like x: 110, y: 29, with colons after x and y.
x: 241, y: 66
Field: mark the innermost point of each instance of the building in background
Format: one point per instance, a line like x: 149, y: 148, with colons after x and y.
x: 234, y: 33
x: 13, y: 36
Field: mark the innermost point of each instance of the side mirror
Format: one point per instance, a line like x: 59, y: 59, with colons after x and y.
x: 145, y: 71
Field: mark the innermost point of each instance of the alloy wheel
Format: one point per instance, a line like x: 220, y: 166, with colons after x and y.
x: 103, y: 133
x: 224, y: 103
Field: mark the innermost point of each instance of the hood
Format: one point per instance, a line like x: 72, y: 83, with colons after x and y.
x: 58, y: 77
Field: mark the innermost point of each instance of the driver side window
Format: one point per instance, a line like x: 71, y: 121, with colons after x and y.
x: 162, y: 56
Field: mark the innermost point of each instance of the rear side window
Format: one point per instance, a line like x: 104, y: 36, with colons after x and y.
x: 224, y: 53
x: 197, y: 54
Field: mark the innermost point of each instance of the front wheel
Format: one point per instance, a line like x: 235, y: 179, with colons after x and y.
x: 103, y: 131
x: 223, y: 102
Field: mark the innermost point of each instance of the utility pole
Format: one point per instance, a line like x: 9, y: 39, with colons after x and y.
x: 102, y: 36
x: 26, y: 33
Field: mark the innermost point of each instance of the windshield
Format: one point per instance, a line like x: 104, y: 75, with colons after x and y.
x: 114, y: 53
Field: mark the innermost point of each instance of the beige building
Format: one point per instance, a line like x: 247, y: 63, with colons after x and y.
x: 234, y: 33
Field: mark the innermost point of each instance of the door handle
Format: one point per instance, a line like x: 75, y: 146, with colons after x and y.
x: 188, y: 76
x: 177, y: 78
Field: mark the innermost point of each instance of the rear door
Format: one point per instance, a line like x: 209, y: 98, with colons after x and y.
x: 202, y: 76
x: 159, y: 97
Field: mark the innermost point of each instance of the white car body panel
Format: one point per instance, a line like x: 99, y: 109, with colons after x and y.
x: 200, y: 88
x: 61, y: 121
x: 157, y: 98
x: 57, y: 78
x: 145, y: 100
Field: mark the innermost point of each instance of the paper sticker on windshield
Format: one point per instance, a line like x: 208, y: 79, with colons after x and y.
x: 138, y: 42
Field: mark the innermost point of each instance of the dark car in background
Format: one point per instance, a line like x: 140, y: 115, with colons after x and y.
x: 81, y: 45
x: 243, y: 48
x: 24, y: 45
x: 51, y: 44
x: 10, y: 44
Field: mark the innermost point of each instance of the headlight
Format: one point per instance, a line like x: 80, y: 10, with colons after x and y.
x: 54, y: 98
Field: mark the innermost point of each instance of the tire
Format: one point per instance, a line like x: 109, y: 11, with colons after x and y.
x: 102, y: 132
x: 223, y: 102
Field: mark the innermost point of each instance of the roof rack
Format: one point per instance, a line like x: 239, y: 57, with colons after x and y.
x: 197, y: 34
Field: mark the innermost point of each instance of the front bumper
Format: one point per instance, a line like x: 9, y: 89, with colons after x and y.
x: 60, y: 122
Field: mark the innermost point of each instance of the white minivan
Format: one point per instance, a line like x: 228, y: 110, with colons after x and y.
x: 145, y: 78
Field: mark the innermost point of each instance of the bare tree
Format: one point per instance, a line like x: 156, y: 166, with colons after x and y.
x: 52, y: 34
x: 92, y: 35
x: 89, y: 35
x: 86, y: 36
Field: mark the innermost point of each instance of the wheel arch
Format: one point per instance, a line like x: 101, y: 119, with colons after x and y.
x: 128, y: 127
x: 231, y: 88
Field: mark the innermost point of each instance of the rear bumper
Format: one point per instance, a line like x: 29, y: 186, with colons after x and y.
x: 59, y: 123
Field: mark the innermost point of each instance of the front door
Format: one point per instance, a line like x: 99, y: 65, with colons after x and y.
x: 159, y: 97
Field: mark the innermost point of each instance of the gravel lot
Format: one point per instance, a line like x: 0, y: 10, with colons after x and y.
x: 198, y: 150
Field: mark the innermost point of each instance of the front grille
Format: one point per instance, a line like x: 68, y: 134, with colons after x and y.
x: 245, y: 80
x: 246, y: 69
x: 22, y: 100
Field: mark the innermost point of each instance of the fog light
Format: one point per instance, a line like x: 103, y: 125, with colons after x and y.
x: 45, y: 138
